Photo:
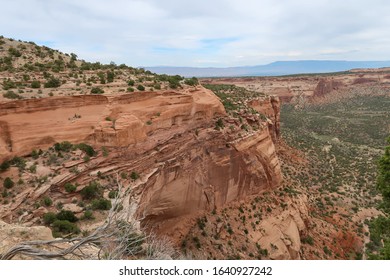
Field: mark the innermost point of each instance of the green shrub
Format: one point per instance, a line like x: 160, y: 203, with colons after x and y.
x: 14, y: 52
x: 219, y: 124
x: 49, y: 218
x: 87, y: 149
x: 19, y: 162
x: 52, y: 83
x: 8, y: 183
x: 35, y: 154
x: 33, y: 168
x: 92, y: 190
x: 134, y: 175
x: 66, y: 215
x: 47, y: 201
x: 110, y: 76
x: 5, y: 165
x: 140, y: 87
x: 130, y: 89
x: 70, y: 187
x: 88, y: 215
x: 192, y: 81
x: 383, y: 181
x: 8, y: 84
x: 327, y: 251
x: 35, y: 84
x: 101, y: 204
x: 130, y: 83
x: 97, y: 90
x: 64, y: 227
x: 12, y: 95
x: 64, y: 146
x: 308, y: 240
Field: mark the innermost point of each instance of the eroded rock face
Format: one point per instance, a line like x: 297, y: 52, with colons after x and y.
x: 281, y: 234
x: 270, y: 107
x: 103, y: 120
x: 186, y: 164
x: 209, y: 174
x: 326, y: 86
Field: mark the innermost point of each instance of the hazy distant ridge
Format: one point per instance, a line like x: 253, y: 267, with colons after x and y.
x: 273, y: 69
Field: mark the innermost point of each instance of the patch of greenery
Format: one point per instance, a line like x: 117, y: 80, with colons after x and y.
x: 233, y: 97
x: 64, y: 146
x: 97, y: 90
x: 49, y: 218
x: 219, y: 124
x: 8, y: 183
x: 140, y: 87
x: 112, y: 194
x: 383, y: 183
x: 92, y: 190
x: 88, y: 215
x: 70, y: 187
x: 64, y: 227
x: 307, y: 240
x: 192, y: 81
x: 173, y: 81
x: 66, y: 215
x: 12, y: 95
x: 342, y: 142
x: 35, y: 84
x: 379, y: 246
x: 47, y: 201
x: 101, y: 204
x: 87, y: 149
x: 52, y: 83
x: 134, y: 175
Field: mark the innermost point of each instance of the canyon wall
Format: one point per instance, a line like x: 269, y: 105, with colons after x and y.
x: 169, y: 135
x: 101, y: 120
x: 208, y: 173
x: 270, y: 107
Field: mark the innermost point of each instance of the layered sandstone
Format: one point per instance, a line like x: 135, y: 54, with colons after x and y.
x: 102, y: 120
x: 186, y: 164
x: 270, y: 107
x: 207, y: 174
x: 169, y: 135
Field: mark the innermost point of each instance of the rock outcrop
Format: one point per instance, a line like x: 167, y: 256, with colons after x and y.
x: 270, y: 107
x: 281, y: 234
x: 12, y: 234
x: 101, y: 120
x: 326, y: 86
x: 187, y: 165
x: 208, y: 174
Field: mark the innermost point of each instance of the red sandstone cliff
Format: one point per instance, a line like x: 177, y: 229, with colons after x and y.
x: 170, y: 136
x: 104, y: 120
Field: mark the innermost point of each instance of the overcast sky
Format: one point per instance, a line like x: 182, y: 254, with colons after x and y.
x: 215, y: 33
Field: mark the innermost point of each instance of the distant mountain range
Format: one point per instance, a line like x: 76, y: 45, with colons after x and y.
x: 273, y: 69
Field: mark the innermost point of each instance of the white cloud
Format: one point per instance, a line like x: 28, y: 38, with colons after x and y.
x: 199, y: 33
